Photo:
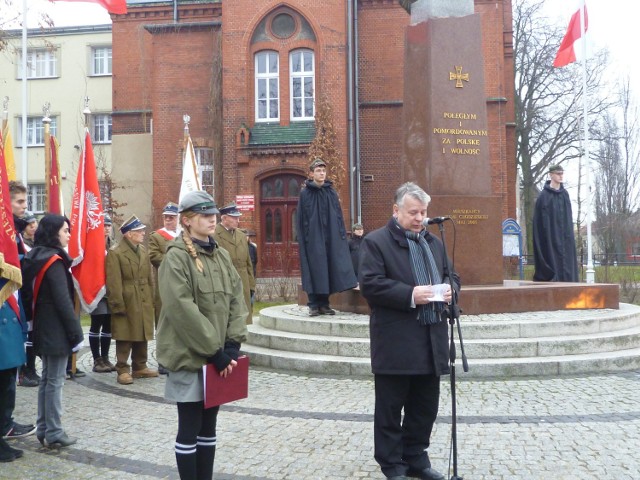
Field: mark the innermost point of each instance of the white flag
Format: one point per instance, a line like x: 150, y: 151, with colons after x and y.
x: 190, y: 181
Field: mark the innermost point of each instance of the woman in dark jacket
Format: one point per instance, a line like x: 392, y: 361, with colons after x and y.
x: 56, y: 326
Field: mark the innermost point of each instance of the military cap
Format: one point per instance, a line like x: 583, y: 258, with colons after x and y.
x: 231, y: 210
x: 170, y: 209
x: 107, y: 220
x: 198, y: 202
x: 357, y: 226
x: 131, y: 224
x: 556, y: 169
x: 29, y: 217
x: 318, y: 162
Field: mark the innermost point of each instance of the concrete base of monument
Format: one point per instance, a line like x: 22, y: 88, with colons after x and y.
x: 561, y: 342
x: 512, y: 296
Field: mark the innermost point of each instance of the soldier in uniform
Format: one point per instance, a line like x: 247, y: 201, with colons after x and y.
x: 157, y: 248
x: 234, y: 241
x: 129, y: 289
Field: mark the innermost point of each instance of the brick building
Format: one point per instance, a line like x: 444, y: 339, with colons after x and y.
x: 248, y: 73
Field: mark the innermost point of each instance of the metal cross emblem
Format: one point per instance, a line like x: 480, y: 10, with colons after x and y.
x: 459, y: 77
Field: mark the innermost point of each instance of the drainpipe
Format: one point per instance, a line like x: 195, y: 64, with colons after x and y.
x: 356, y: 103
x: 350, y: 109
x: 175, y: 11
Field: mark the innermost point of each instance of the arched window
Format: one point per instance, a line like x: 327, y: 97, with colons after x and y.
x: 302, y: 86
x: 267, y: 86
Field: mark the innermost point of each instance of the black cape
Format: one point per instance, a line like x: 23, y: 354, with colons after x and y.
x: 554, y: 246
x: 325, y: 262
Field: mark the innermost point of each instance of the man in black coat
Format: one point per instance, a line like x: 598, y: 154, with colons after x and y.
x: 400, y: 266
x: 554, y: 245
x: 325, y: 261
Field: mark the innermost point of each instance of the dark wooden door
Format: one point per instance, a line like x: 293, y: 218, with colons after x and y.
x: 279, y: 243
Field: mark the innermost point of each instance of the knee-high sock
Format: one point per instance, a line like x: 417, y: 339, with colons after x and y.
x: 186, y: 457
x: 206, y: 453
x: 105, y: 344
x: 94, y: 343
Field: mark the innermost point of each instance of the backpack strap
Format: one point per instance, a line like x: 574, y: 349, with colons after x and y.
x: 38, y: 281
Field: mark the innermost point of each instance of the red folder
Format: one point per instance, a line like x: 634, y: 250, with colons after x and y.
x: 219, y: 390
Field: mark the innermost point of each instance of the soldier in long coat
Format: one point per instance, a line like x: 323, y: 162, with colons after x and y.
x: 130, y: 293
x: 325, y: 261
x: 234, y: 241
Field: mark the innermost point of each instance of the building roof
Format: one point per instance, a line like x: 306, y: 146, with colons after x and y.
x: 276, y: 134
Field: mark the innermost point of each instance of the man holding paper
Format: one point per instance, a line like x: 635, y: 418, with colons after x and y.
x: 402, y: 277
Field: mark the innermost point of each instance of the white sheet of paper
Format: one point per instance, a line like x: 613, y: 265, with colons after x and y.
x: 438, y: 292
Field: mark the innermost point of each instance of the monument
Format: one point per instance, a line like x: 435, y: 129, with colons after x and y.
x: 446, y: 144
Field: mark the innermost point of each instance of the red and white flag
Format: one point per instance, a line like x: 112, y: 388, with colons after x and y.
x: 112, y: 6
x: 86, y: 247
x: 569, y: 46
x: 190, y: 179
x: 56, y: 204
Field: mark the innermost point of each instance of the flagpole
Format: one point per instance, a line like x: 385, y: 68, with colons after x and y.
x: 46, y: 120
x: 5, y: 112
x: 590, y: 270
x: 25, y: 180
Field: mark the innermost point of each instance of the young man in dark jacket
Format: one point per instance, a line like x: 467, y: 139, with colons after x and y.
x: 401, y: 263
x: 322, y: 238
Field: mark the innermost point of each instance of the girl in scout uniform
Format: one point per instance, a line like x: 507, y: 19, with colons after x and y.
x: 202, y: 321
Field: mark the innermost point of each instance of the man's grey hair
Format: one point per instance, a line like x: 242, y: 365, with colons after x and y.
x: 412, y: 190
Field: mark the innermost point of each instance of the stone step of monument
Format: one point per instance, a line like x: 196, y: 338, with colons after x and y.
x: 601, y: 362
x: 568, y: 342
x: 295, y: 319
x: 307, y: 362
x: 474, y: 348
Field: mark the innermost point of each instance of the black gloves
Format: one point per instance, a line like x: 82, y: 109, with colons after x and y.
x: 232, y: 349
x: 220, y: 360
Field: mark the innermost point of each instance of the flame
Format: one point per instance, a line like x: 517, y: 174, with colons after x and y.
x: 587, y: 298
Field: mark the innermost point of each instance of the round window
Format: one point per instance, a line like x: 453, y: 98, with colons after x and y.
x: 283, y: 25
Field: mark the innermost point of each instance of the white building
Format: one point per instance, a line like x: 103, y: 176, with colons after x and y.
x: 64, y: 65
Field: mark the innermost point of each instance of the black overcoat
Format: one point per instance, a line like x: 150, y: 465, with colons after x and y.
x: 554, y: 245
x: 56, y: 327
x: 399, y: 344
x: 325, y: 262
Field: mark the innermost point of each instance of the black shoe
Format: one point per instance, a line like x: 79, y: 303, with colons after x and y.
x: 162, y: 370
x: 5, y: 447
x: 425, y: 474
x: 314, y: 312
x: 326, y: 310
x: 63, y: 441
x: 79, y: 374
x: 5, y: 454
x: 398, y: 477
x: 28, y: 378
x: 18, y: 431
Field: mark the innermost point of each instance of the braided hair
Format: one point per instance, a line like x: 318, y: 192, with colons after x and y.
x: 186, y: 236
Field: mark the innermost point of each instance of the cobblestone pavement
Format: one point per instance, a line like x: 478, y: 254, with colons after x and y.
x: 310, y: 427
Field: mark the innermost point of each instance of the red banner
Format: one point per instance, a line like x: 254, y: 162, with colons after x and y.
x: 87, y: 232
x: 11, y: 278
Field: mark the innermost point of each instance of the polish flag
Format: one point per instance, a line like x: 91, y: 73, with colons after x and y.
x: 86, y: 246
x: 112, y: 6
x: 570, y: 46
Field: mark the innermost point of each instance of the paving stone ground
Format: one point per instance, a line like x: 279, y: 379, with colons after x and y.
x: 311, y: 427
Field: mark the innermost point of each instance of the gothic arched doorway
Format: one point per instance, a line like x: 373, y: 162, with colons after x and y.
x: 278, y: 207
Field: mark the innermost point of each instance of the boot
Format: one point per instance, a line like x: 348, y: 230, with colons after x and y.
x: 105, y: 361
x: 100, y: 367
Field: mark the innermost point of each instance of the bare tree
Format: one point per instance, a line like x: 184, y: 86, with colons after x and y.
x: 11, y: 17
x: 617, y: 178
x: 324, y: 144
x: 547, y: 100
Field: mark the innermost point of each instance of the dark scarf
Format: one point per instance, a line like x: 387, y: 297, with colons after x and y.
x: 425, y: 272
